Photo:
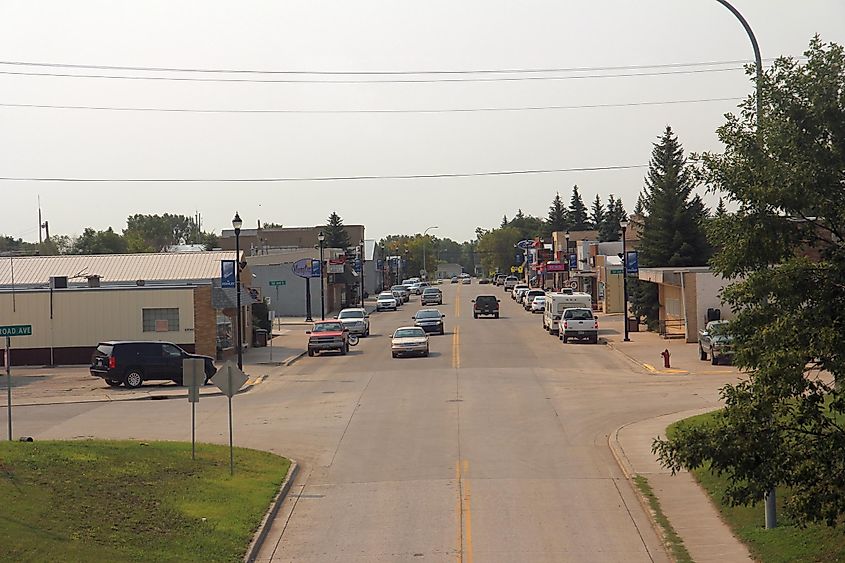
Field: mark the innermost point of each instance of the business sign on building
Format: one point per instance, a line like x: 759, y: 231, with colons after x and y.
x: 306, y: 268
x: 556, y: 267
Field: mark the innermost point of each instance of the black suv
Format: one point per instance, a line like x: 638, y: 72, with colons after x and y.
x: 485, y: 305
x: 133, y: 362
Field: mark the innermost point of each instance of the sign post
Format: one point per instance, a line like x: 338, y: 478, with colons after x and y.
x: 229, y: 379
x: 193, y: 375
x: 9, y: 331
x: 307, y: 268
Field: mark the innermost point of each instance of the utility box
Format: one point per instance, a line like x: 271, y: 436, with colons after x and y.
x: 259, y: 337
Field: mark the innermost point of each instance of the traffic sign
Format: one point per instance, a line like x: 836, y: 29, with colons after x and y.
x: 193, y: 375
x: 229, y: 379
x: 16, y: 330
x: 277, y: 282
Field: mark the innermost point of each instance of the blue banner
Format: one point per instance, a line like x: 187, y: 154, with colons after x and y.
x: 227, y: 273
x: 573, y: 262
x: 632, y: 263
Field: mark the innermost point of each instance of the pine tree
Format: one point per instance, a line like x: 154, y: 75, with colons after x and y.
x: 673, y: 232
x: 720, y: 209
x: 519, y: 215
x: 597, y: 213
x: 639, y: 208
x: 577, y: 212
x: 504, y: 221
x: 557, y: 215
x: 611, y: 230
x: 336, y: 235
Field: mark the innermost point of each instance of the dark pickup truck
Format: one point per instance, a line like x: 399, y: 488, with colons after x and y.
x: 485, y: 305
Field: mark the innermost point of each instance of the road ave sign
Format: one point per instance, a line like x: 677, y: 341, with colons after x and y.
x: 277, y: 282
x: 229, y: 379
x: 16, y: 330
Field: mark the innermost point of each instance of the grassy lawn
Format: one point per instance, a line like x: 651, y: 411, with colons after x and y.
x: 786, y: 543
x: 121, y: 501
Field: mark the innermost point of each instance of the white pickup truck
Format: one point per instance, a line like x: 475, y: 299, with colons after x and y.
x: 579, y: 323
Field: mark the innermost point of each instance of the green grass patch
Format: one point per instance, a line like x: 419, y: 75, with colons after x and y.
x: 673, y: 540
x: 141, y: 501
x: 786, y: 543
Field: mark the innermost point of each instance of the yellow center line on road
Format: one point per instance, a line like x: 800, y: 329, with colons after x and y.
x: 456, y: 348
x: 464, y: 513
x: 459, y: 531
x: 458, y: 303
x: 467, y: 513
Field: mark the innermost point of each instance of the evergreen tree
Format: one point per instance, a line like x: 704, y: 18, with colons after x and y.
x: 597, y: 213
x: 610, y: 229
x: 720, y: 209
x: 336, y: 235
x: 519, y: 215
x: 639, y: 208
x: 557, y: 215
x: 673, y: 229
x: 504, y: 221
x: 577, y: 212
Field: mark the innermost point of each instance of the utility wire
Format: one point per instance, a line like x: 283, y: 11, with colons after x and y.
x: 365, y: 81
x: 324, y: 178
x: 376, y: 72
x: 342, y: 111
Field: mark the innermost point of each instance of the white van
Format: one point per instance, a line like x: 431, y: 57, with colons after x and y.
x: 557, y: 302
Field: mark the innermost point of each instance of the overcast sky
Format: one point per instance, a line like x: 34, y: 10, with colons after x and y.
x: 357, y: 36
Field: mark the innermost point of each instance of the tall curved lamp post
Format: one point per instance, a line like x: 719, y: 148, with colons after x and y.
x: 237, y: 224
x: 425, y: 239
x: 321, y: 238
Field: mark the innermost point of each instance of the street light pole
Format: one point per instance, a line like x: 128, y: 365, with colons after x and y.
x: 425, y: 239
x: 237, y: 223
x: 322, y: 239
x: 624, y: 225
x: 566, y: 236
x: 362, y: 273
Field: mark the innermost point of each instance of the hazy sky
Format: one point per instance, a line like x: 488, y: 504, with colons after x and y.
x: 356, y: 36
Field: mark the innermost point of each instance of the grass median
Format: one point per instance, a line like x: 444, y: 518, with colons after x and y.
x: 141, y: 501
x: 786, y: 543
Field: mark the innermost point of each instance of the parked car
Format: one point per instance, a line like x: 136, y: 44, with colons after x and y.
x: 132, y: 362
x: 518, y: 290
x: 430, y: 320
x: 485, y: 305
x: 483, y: 281
x: 406, y: 295
x: 510, y: 282
x: 400, y: 299
x: 499, y: 279
x: 356, y: 320
x: 431, y: 296
x: 716, y: 342
x: 528, y: 297
x: 579, y: 323
x: 454, y: 279
x: 557, y: 303
x: 328, y: 335
x: 386, y: 300
x: 409, y: 340
x: 538, y: 304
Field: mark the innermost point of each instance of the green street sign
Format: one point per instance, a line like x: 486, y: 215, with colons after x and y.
x: 16, y: 330
x: 619, y: 271
x: 278, y: 282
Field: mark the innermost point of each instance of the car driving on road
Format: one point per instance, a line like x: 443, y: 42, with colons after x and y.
x: 430, y: 320
x: 408, y: 340
x: 386, y: 300
x: 485, y: 305
x: 431, y: 296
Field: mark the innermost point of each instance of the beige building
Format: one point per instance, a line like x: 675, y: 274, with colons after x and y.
x: 686, y: 295
x: 75, y: 302
x: 611, y: 296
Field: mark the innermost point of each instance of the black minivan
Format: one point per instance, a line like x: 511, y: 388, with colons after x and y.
x: 133, y: 362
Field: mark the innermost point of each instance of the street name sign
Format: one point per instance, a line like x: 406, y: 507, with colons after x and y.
x: 16, y: 330
x: 277, y: 282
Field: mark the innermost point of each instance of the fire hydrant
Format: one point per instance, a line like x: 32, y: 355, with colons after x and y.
x: 665, y: 354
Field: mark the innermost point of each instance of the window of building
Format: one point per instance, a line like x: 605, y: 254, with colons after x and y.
x: 161, y: 320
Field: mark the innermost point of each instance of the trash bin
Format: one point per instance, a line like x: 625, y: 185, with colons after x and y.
x: 259, y: 337
x: 633, y: 324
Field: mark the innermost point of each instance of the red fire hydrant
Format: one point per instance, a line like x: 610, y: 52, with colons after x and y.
x: 665, y: 354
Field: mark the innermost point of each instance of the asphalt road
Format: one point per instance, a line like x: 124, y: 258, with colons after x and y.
x: 492, y: 449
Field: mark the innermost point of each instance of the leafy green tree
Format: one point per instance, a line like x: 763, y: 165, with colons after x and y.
x: 528, y: 226
x: 557, y: 219
x: 597, y: 213
x: 783, y: 248
x: 155, y: 233
x: 578, y: 218
x: 673, y: 230
x: 99, y: 242
x: 496, y: 249
x: 336, y: 235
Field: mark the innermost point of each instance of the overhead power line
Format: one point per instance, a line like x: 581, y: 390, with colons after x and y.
x: 325, y: 178
x: 370, y: 81
x: 375, y: 72
x: 343, y: 111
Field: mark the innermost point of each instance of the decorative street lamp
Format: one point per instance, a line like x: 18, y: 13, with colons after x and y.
x: 237, y: 224
x: 362, y: 272
x: 566, y: 236
x: 322, y: 239
x: 624, y: 225
x: 425, y: 232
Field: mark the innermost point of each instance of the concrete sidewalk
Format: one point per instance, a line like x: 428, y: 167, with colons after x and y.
x: 684, y: 502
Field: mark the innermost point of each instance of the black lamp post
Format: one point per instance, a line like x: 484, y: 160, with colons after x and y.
x: 237, y: 223
x: 362, y: 273
x: 566, y: 236
x: 322, y: 239
x: 624, y: 225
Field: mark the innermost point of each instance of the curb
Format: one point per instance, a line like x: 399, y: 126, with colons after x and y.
x: 177, y: 395
x: 264, y: 528
x: 288, y: 362
x: 647, y: 367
